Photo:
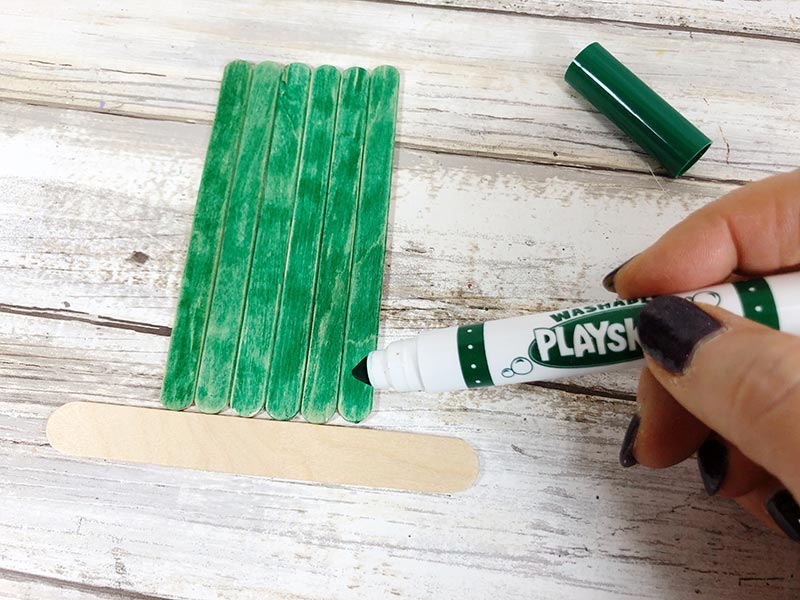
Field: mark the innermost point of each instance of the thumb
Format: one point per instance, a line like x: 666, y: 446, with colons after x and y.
x: 740, y: 378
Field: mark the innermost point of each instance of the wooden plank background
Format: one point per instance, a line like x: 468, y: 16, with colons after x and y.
x: 510, y: 195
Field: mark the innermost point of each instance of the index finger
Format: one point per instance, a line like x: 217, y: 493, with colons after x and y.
x: 753, y: 230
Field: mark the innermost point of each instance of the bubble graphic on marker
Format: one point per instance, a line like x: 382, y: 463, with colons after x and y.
x: 519, y: 366
x: 706, y: 297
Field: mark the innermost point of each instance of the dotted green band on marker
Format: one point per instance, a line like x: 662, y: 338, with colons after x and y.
x: 472, y: 356
x: 758, y: 304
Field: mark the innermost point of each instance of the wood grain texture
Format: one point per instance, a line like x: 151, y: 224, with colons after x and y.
x: 294, y: 451
x: 199, y: 272
x: 293, y: 328
x: 772, y: 18
x: 499, y: 94
x: 87, y: 299
x: 324, y: 365
x: 585, y: 528
x: 15, y: 585
x: 369, y: 243
x: 257, y: 337
x: 221, y: 341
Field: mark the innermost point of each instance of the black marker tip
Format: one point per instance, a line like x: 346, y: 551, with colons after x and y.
x: 360, y: 371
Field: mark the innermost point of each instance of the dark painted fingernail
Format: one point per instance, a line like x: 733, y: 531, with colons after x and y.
x: 670, y: 328
x: 626, y: 457
x: 783, y: 509
x: 608, y: 280
x: 712, y: 460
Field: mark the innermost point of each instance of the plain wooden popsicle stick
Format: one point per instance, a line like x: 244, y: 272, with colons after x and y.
x: 366, y: 278
x: 225, y: 317
x: 292, y: 331
x: 320, y: 392
x: 269, y: 255
x: 209, y: 221
x: 261, y: 447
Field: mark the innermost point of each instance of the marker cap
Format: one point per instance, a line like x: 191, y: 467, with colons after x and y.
x: 636, y: 109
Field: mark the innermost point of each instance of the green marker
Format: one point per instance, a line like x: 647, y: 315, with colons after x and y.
x: 565, y: 343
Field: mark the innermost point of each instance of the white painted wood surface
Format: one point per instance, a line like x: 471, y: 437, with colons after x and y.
x: 778, y: 19
x: 473, y: 82
x: 94, y: 221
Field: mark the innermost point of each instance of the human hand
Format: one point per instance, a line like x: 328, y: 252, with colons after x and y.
x: 715, y: 383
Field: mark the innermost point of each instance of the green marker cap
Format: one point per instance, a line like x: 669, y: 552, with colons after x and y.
x: 636, y: 109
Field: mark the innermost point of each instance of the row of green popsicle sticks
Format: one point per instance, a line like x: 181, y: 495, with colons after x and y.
x: 282, y: 283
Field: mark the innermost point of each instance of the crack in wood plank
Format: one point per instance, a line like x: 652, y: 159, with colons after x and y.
x: 98, y: 591
x: 104, y: 111
x: 597, y: 392
x: 127, y: 72
x: 62, y: 314
x: 512, y: 158
x: 503, y: 157
x: 28, y: 444
x: 594, y: 20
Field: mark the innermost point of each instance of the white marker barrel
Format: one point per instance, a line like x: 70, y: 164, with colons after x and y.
x: 565, y: 343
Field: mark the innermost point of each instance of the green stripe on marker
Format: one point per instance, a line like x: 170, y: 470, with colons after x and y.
x: 758, y: 303
x: 472, y: 356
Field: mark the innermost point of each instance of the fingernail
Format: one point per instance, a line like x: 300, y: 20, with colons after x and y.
x: 608, y: 280
x: 783, y: 509
x: 670, y: 328
x: 712, y: 460
x: 626, y: 457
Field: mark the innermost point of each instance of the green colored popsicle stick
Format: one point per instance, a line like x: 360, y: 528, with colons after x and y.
x: 366, y: 279
x: 333, y: 280
x: 269, y: 255
x: 222, y: 331
x: 204, y: 243
x: 297, y: 296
